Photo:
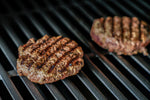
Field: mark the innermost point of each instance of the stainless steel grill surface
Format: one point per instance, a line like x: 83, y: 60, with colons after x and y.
x: 104, y: 76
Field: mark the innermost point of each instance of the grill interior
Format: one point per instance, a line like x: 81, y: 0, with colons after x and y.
x: 104, y: 76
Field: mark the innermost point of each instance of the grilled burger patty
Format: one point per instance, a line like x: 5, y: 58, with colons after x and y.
x: 49, y: 59
x: 122, y: 35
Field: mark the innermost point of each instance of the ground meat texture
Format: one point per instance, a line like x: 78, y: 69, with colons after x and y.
x: 49, y: 59
x: 122, y: 35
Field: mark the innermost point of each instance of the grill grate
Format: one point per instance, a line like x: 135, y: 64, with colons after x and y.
x: 105, y: 75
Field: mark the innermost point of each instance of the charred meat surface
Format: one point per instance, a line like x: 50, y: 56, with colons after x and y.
x: 122, y: 35
x: 49, y: 59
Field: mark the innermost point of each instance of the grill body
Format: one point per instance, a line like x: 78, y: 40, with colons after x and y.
x: 104, y: 76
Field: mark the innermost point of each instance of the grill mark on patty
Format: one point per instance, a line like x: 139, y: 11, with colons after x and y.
x: 144, y: 31
x: 24, y: 58
x: 112, y: 27
x: 52, y: 55
x: 121, y: 29
x: 139, y: 30
x: 47, y: 48
x: 103, y: 24
x: 130, y: 27
x: 27, y: 46
x: 37, y: 46
x: 69, y: 63
x: 27, y: 57
x: 29, y: 65
x: 67, y: 58
x: 135, y: 29
x: 117, y: 28
x: 59, y: 59
x: 126, y: 28
x: 44, y: 51
x: 108, y: 27
x: 102, y: 20
x: 48, y: 57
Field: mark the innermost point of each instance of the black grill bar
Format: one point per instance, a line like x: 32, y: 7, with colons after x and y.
x: 137, y: 9
x: 25, y: 30
x: 100, y: 75
x: 76, y: 18
x: 108, y: 7
x: 94, y: 8
x: 121, y: 78
x: 142, y: 63
x: 133, y: 71
x: 9, y: 84
x: 73, y: 89
x: 144, y: 4
x: 91, y: 87
x: 55, y: 92
x: 84, y: 12
x: 123, y: 8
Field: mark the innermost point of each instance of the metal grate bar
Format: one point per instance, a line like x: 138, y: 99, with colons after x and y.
x: 107, y: 7
x: 69, y: 26
x: 36, y: 23
x: 81, y: 9
x: 55, y: 92
x: 24, y: 29
x: 90, y: 85
x: 123, y: 8
x: 133, y: 71
x: 12, y: 35
x: 12, y: 73
x: 76, y: 18
x: 94, y: 8
x: 142, y: 63
x: 144, y: 3
x: 9, y: 84
x: 52, y: 24
x: 73, y: 89
x: 101, y: 76
x: 137, y: 9
x: 121, y: 77
x: 11, y: 58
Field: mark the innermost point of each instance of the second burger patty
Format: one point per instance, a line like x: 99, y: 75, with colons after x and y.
x: 123, y: 35
x: 49, y: 59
